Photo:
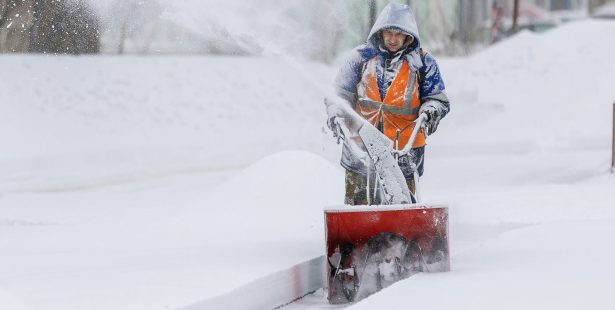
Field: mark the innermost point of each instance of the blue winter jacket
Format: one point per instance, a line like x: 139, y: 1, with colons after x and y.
x: 400, y: 17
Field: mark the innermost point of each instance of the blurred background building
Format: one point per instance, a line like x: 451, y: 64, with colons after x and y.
x: 315, y: 29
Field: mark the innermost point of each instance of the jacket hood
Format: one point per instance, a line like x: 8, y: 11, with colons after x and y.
x: 398, y: 16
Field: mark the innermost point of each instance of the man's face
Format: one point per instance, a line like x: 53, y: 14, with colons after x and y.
x: 393, y: 39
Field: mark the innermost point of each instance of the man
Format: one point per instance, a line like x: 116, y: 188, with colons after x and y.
x: 390, y: 81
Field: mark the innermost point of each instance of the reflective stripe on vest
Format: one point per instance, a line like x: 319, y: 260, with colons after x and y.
x: 400, y: 106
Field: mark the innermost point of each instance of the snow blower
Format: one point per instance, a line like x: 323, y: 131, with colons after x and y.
x: 370, y: 247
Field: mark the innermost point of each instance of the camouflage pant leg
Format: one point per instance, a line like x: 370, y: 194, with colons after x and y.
x: 356, y: 193
x: 411, y: 186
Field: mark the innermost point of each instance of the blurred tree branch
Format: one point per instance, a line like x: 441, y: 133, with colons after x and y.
x: 48, y: 26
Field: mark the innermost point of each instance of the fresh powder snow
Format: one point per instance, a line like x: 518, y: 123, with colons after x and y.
x: 169, y: 182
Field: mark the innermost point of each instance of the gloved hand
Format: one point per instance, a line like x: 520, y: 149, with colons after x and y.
x: 333, y: 112
x: 339, y: 109
x: 433, y: 115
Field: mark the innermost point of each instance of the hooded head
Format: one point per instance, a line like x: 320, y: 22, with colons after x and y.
x: 398, y: 17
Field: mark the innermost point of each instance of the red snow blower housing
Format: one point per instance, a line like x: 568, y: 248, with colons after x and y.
x: 370, y: 248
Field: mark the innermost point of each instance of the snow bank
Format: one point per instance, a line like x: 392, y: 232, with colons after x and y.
x: 532, y: 110
x: 284, y: 192
x: 537, y: 91
x: 171, y: 242
x: 128, y: 118
x: 79, y: 104
x: 564, y: 265
x: 8, y: 301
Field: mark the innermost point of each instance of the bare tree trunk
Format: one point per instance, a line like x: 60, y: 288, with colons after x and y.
x: 613, y: 143
x: 149, y: 38
x: 15, y: 25
x: 37, y: 14
x: 3, y: 11
x: 372, y: 14
x: 4, y: 7
x: 328, y: 28
x: 122, y: 38
x: 515, y: 25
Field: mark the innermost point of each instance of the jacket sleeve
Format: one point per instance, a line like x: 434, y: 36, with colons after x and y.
x: 348, y: 77
x: 432, y: 86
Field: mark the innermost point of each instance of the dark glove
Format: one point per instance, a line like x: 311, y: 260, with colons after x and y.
x: 433, y: 115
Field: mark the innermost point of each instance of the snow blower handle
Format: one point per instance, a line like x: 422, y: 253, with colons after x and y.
x: 342, y: 133
x: 418, y: 124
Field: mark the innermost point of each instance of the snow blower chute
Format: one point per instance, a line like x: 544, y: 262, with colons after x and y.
x: 370, y: 247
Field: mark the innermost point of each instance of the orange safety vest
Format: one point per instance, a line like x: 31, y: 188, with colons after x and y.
x: 399, y: 108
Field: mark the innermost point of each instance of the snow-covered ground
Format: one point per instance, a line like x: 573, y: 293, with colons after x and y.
x: 164, y: 182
